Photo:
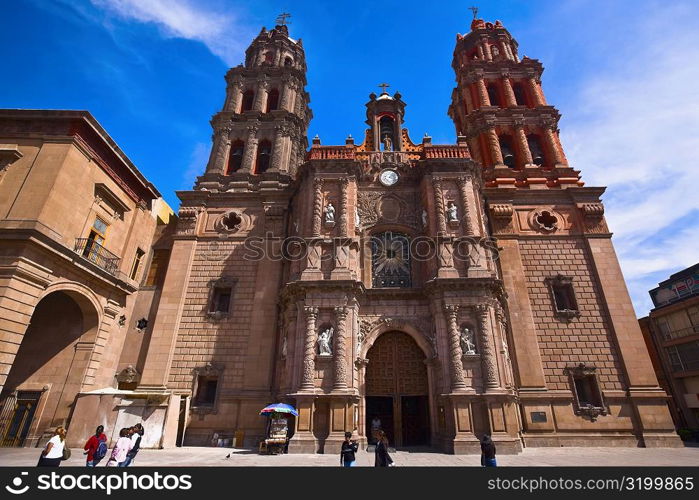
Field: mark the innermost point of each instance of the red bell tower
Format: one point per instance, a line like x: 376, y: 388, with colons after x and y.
x: 499, y: 106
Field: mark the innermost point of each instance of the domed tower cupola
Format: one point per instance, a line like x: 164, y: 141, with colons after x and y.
x: 384, y: 114
x: 276, y: 48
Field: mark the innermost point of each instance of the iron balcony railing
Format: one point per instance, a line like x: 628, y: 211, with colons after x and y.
x: 682, y: 332
x: 97, y: 254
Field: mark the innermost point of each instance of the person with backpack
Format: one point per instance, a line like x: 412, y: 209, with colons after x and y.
x: 137, y: 434
x: 488, y: 452
x: 96, y: 447
x: 348, y: 451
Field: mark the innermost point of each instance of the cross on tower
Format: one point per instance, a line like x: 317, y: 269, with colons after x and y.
x: 282, y: 19
x: 474, y: 10
x: 383, y: 86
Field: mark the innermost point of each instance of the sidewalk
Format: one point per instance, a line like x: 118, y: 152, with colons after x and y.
x: 198, y: 457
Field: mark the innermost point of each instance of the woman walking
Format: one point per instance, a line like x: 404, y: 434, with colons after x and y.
x: 383, y: 459
x: 488, y: 452
x: 121, y: 448
x: 52, y: 455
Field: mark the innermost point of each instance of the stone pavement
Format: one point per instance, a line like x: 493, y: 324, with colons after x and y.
x: 184, y: 457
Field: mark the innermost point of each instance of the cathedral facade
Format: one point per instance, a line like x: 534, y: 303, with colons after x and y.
x: 447, y: 291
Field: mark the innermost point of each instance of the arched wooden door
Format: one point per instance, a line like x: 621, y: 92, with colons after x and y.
x: 397, y: 391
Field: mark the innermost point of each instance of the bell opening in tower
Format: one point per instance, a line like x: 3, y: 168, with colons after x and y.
x: 387, y: 134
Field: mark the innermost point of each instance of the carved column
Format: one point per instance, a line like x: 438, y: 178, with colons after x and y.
x: 278, y: 147
x: 536, y: 91
x: 439, y: 203
x: 340, y: 382
x: 219, y: 151
x: 494, y: 147
x: 344, y: 207
x: 236, y: 90
x: 317, y: 206
x: 261, y: 96
x: 250, y: 149
x: 505, y: 47
x: 464, y: 186
x: 510, y: 98
x: 552, y: 145
x: 522, y: 144
x: 488, y: 359
x: 287, y: 90
x: 309, y: 350
x: 298, y: 101
x: 486, y: 49
x: 458, y: 382
x: 483, y: 96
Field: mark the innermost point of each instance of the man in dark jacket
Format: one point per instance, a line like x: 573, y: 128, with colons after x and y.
x: 348, y: 451
x: 488, y: 452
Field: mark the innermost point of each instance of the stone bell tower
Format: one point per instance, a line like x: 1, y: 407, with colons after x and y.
x: 262, y: 126
x: 580, y: 373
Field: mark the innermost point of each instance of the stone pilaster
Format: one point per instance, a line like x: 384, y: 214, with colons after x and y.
x: 464, y: 187
x: 309, y: 350
x: 439, y: 203
x: 488, y: 357
x: 456, y: 367
x: 340, y: 382
x: 250, y: 149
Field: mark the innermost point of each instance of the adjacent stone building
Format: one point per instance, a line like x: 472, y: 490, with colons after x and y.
x: 446, y: 290
x: 76, y: 227
x: 671, y: 331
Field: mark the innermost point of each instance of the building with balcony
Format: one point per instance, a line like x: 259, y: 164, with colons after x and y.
x: 77, y: 222
x: 671, y: 331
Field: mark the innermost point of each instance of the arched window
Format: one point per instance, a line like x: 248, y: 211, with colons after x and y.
x: 269, y: 57
x: 386, y: 131
x: 272, y: 100
x: 508, y: 153
x: 494, y: 96
x: 390, y: 260
x: 235, y: 158
x: 264, y: 150
x: 536, y: 150
x: 288, y: 61
x: 248, y: 100
x: 519, y: 94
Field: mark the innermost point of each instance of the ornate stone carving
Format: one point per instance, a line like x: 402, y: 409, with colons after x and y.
x: 128, y: 375
x: 340, y: 381
x: 439, y: 199
x: 317, y: 205
x: 464, y: 185
x: 467, y: 340
x: 307, y: 383
x: 544, y: 220
x: 187, y: 220
x: 502, y: 218
x: 489, y: 363
x: 374, y: 207
x: 325, y: 339
x: 329, y: 212
x: 230, y: 222
x: 458, y: 381
x: 593, y: 218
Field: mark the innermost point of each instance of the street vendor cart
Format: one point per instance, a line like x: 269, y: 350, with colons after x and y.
x: 277, y: 434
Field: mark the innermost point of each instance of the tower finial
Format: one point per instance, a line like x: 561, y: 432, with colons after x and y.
x: 474, y: 10
x: 383, y: 86
x: 282, y: 19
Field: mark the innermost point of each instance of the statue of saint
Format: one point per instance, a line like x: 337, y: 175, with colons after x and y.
x: 452, y: 212
x: 324, y: 341
x: 357, y: 221
x: 468, y: 345
x: 284, y: 347
x: 424, y: 218
x: 387, y: 143
x: 329, y: 212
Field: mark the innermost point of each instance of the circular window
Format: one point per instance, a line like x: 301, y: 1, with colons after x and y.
x: 546, y: 220
x: 230, y: 222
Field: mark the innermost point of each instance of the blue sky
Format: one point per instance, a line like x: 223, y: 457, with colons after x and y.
x: 622, y: 73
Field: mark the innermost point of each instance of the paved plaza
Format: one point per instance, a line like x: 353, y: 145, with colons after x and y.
x: 187, y: 457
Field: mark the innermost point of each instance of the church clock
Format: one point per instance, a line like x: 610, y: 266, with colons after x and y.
x: 388, y: 177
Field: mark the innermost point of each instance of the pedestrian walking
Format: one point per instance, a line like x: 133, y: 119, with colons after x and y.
x: 96, y: 447
x: 136, y: 436
x: 348, y: 451
x: 488, y: 452
x: 53, y: 452
x: 382, y: 458
x: 121, y: 448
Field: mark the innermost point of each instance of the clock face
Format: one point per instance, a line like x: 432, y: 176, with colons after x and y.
x: 388, y: 177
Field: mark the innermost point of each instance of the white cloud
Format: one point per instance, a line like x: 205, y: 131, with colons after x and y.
x: 220, y: 31
x: 636, y: 130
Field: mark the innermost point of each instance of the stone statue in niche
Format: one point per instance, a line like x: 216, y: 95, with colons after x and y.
x: 452, y: 212
x: 387, y: 143
x: 357, y: 221
x: 329, y: 213
x: 468, y: 342
x: 284, y: 347
x: 324, y: 341
x: 424, y: 218
x: 495, y: 51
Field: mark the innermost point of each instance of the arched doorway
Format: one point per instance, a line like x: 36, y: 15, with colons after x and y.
x: 48, y: 370
x: 397, y: 390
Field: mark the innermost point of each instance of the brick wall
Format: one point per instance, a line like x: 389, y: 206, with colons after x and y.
x: 585, y: 339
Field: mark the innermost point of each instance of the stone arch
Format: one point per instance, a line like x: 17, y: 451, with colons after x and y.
x: 384, y: 325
